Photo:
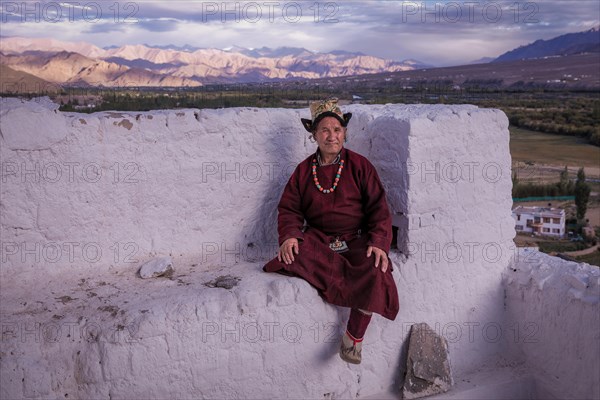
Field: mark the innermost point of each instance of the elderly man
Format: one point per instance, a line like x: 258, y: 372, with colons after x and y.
x: 342, y: 248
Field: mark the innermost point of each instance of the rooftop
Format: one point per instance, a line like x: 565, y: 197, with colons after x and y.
x: 89, y: 197
x: 540, y: 211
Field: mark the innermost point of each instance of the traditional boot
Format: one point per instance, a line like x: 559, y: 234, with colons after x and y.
x: 351, y: 349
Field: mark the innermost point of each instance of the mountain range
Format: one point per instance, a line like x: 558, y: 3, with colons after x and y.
x: 83, y: 64
x: 80, y: 63
x: 571, y: 43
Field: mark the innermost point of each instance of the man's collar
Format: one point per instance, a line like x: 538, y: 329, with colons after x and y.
x: 335, y: 161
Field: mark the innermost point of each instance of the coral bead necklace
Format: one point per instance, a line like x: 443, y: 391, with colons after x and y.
x: 338, y: 174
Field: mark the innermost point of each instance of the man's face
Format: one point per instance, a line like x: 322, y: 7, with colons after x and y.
x: 330, y: 136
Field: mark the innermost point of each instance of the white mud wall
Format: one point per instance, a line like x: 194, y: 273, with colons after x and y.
x: 447, y: 174
x: 86, y: 198
x: 553, y: 316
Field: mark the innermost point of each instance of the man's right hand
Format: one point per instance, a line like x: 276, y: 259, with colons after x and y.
x: 287, y: 250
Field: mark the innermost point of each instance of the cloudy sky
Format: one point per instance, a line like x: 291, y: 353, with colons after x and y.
x: 436, y: 32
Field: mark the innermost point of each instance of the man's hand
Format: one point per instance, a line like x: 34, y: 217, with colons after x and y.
x: 380, y: 257
x: 287, y: 250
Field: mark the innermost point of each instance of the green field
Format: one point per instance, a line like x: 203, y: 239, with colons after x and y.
x: 550, y: 149
x: 593, y: 259
x: 549, y: 153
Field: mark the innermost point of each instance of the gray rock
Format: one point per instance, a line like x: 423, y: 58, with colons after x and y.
x: 223, y: 281
x: 162, y: 266
x: 428, y: 368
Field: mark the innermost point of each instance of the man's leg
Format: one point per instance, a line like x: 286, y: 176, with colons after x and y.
x: 358, y: 322
x: 351, y: 348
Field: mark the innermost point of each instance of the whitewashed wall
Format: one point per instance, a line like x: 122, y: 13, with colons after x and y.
x: 447, y: 173
x: 86, y: 198
x: 102, y: 189
x: 554, y: 319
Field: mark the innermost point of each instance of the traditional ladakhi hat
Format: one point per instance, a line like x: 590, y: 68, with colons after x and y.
x: 322, y: 109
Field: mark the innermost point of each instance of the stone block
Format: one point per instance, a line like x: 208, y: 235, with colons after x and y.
x: 428, y: 367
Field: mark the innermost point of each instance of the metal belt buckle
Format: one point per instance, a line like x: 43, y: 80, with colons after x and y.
x: 339, y: 246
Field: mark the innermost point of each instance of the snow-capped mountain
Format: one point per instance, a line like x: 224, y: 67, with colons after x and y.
x: 143, y: 65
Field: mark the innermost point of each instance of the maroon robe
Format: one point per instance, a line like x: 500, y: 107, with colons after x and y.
x: 358, y: 213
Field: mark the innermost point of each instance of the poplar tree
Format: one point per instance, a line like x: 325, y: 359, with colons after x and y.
x: 582, y: 194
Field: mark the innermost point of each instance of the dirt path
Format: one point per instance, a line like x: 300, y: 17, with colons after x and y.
x: 583, y: 252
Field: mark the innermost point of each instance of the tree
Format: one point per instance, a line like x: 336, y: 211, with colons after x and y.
x: 563, y: 184
x: 582, y: 194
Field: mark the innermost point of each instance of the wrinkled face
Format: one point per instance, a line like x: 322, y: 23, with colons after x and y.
x: 330, y: 136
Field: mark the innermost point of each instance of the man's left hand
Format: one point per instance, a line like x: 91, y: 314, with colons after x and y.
x: 380, y: 257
